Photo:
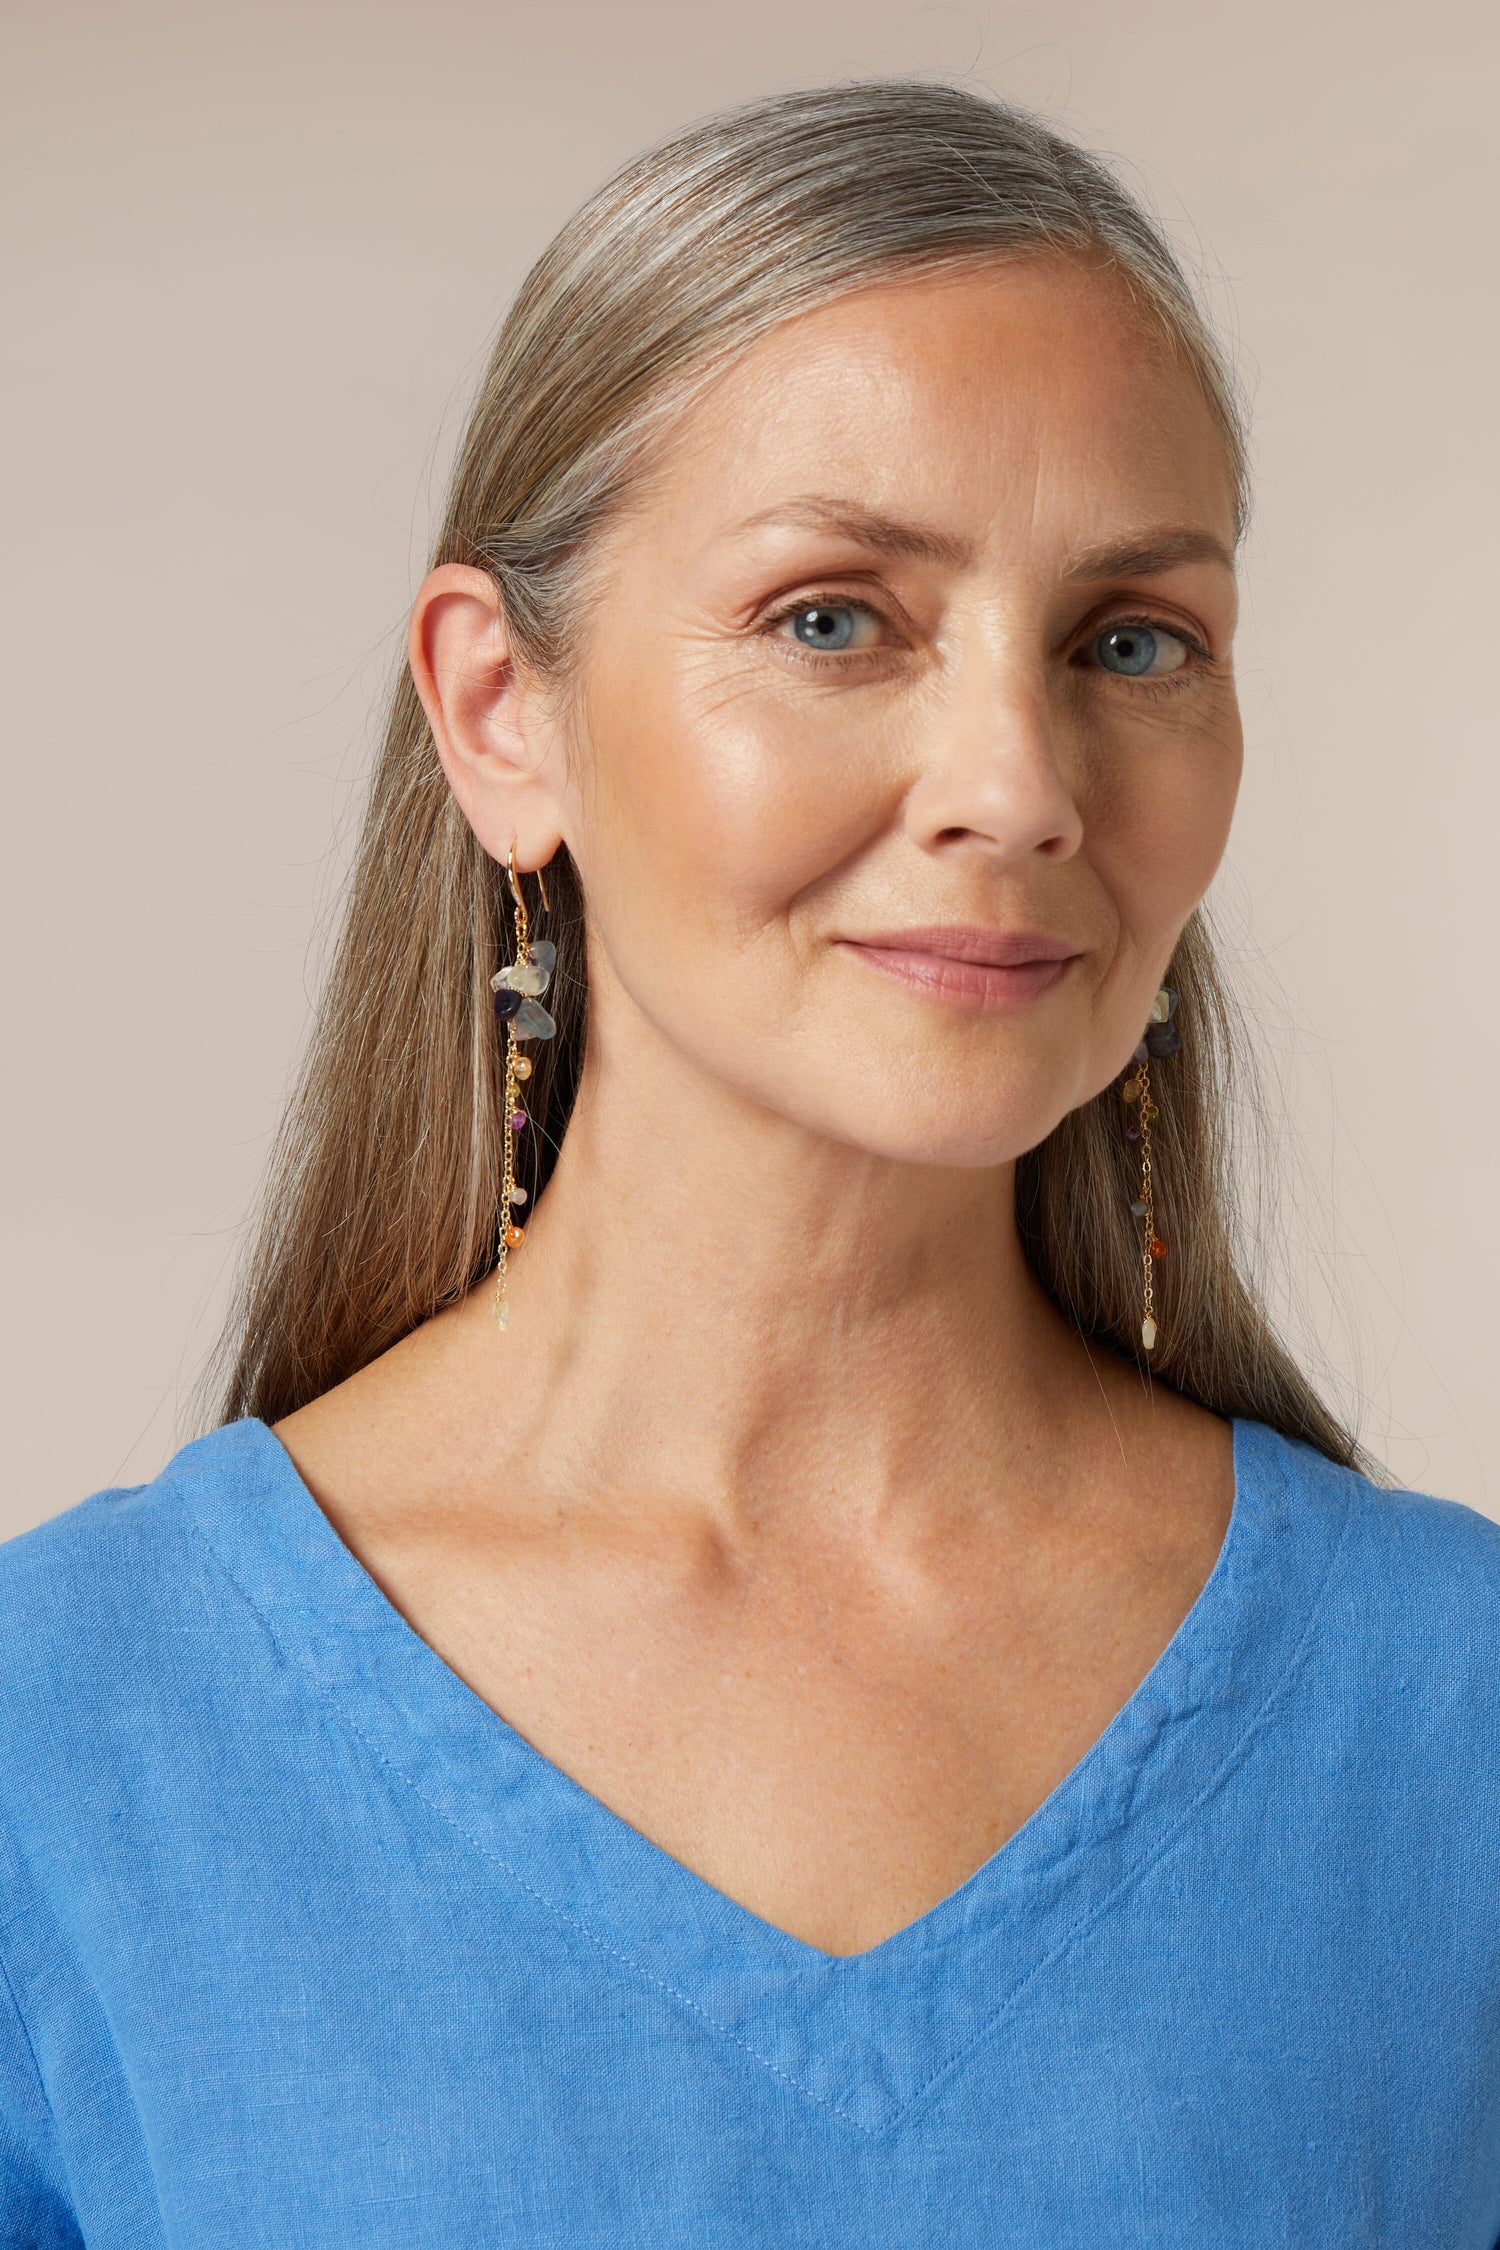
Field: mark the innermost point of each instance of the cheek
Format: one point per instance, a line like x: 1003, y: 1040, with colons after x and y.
x: 1159, y: 822
x: 716, y: 802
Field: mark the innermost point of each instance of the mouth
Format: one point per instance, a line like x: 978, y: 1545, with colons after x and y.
x: 967, y: 965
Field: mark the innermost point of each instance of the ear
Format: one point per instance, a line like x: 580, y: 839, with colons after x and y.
x: 498, y: 746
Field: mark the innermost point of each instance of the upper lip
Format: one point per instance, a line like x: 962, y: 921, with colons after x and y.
x: 971, y: 941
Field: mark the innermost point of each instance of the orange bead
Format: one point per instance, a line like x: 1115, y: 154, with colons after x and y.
x: 1158, y: 1247
x: 514, y: 1237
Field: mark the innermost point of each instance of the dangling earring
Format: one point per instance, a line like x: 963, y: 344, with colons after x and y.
x: 1161, y: 1038
x: 518, y: 991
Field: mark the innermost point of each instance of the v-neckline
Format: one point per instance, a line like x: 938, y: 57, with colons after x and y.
x: 864, y: 2036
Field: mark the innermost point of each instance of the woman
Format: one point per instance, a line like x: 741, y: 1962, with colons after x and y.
x: 830, y: 1683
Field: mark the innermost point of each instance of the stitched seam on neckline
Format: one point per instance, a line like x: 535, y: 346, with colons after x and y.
x: 487, y: 1851
x: 953, y: 2063
x: 1173, y: 1835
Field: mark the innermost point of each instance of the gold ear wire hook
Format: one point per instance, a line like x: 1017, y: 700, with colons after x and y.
x: 515, y: 886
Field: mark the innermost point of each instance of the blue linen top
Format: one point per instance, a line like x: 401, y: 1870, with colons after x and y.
x: 305, y: 1948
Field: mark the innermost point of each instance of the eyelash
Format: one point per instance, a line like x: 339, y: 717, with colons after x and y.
x: 1169, y: 683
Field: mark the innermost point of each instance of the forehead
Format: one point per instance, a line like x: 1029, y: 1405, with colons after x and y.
x: 1031, y: 391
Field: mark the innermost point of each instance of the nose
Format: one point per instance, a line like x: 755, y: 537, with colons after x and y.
x: 998, y: 782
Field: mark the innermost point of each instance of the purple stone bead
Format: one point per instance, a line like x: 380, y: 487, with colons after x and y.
x: 506, y: 1002
x: 517, y: 1120
x: 1132, y: 1132
x: 1163, y: 1039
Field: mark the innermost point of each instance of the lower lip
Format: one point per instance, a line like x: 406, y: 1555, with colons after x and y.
x: 966, y: 984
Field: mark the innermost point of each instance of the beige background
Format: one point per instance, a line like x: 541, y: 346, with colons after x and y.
x: 257, y: 255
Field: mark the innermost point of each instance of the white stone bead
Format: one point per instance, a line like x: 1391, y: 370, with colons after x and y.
x: 523, y: 976
x: 1148, y: 1333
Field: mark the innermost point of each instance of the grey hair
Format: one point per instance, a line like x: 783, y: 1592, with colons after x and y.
x: 695, y: 249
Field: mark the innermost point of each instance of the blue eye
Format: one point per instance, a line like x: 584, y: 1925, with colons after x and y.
x: 833, y: 625
x: 823, y: 627
x: 1137, y: 652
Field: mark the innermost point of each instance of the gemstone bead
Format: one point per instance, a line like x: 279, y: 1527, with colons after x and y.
x: 1132, y: 1132
x: 533, y: 1022
x: 1137, y: 1210
x: 523, y: 1066
x: 1158, y: 1247
x: 1163, y: 1005
x: 1163, y: 1039
x: 1140, y: 1052
x: 544, y: 954
x: 516, y: 1120
x: 1131, y: 1090
x: 1150, y: 1113
x: 518, y: 1195
x: 506, y: 1002
x: 514, y: 1237
x: 1148, y: 1332
x: 523, y: 977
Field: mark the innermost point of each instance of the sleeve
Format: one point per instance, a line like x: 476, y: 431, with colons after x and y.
x: 35, y: 2212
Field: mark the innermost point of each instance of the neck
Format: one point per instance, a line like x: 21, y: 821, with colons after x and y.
x: 713, y: 1301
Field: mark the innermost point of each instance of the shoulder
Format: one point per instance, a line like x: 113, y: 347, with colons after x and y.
x: 105, y: 1600
x: 1412, y: 1580
x: 1406, y: 1527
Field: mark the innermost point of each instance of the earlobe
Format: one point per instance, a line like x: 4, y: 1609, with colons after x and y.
x: 481, y: 708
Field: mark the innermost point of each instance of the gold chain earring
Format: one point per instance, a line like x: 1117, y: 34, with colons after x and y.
x: 1161, y: 1038
x: 518, y: 990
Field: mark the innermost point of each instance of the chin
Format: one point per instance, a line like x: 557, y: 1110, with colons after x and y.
x: 897, y: 1123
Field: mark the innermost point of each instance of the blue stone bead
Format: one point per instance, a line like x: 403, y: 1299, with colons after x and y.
x: 1162, y: 1039
x: 544, y: 954
x: 533, y: 1022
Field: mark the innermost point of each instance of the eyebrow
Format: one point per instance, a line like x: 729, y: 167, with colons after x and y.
x: 884, y: 535
x: 1151, y: 551
x: 1138, y: 556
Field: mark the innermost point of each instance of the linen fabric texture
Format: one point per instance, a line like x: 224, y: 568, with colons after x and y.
x: 305, y: 1949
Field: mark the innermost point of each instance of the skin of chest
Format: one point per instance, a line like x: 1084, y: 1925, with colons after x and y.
x: 835, y: 1723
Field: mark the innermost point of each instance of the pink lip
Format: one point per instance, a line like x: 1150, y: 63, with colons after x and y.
x: 968, y: 964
